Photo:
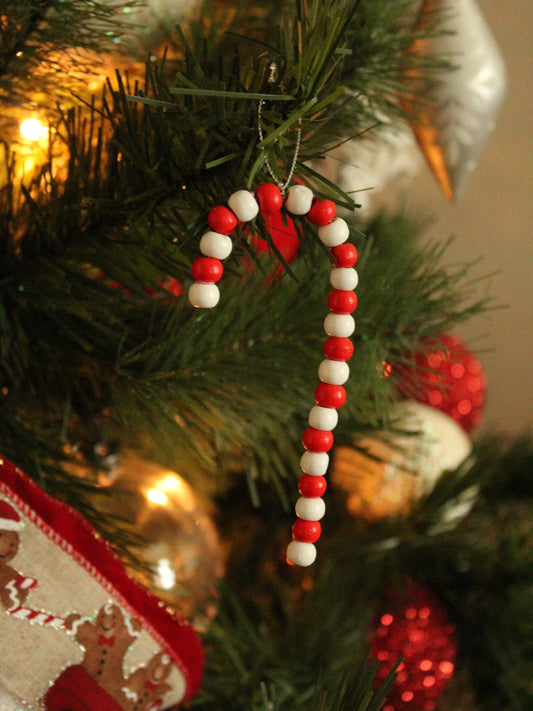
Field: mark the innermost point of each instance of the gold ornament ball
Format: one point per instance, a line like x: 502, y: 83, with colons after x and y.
x: 180, y: 547
x: 385, y: 474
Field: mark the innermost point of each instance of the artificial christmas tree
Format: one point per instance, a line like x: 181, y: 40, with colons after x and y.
x: 150, y: 196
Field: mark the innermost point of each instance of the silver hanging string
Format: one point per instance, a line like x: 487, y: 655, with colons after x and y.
x: 282, y: 185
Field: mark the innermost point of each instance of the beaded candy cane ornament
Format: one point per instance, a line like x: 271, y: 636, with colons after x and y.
x: 333, y: 372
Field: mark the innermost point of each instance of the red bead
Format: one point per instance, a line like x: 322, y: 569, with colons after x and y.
x: 322, y: 212
x: 311, y: 486
x: 306, y: 531
x: 342, y: 302
x: 345, y: 254
x: 269, y: 198
x: 317, y: 440
x: 338, y: 348
x: 222, y: 220
x: 328, y: 395
x: 207, y: 269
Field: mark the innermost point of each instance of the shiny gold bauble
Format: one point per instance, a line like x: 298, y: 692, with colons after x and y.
x: 179, y: 547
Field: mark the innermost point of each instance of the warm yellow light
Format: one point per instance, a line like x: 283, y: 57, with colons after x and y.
x: 157, y: 497
x: 33, y: 130
x: 170, y: 483
x: 180, y: 491
x: 96, y: 83
x: 165, y: 574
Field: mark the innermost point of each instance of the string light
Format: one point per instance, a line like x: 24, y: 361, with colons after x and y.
x: 165, y: 575
x: 156, y: 496
x: 32, y: 129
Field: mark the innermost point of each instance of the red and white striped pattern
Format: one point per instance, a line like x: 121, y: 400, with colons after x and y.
x: 339, y: 325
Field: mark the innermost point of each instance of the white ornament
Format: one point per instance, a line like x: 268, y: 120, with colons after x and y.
x: 344, y: 278
x: 440, y: 445
x: 213, y: 244
x: 376, y: 172
x: 301, y: 553
x: 465, y: 100
x: 299, y: 199
x: 334, y: 233
x: 204, y: 295
x: 323, y: 418
x: 340, y: 325
x: 314, y: 463
x: 335, y: 372
x: 244, y: 205
x: 310, y: 509
x: 386, y: 474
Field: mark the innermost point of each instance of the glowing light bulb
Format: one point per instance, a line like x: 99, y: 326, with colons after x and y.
x: 179, y: 490
x: 33, y: 130
x: 165, y: 575
x: 157, y: 497
x: 170, y: 483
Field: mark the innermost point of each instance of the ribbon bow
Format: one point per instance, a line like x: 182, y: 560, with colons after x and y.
x: 102, y: 640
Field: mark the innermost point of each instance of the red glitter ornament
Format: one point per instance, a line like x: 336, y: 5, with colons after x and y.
x: 414, y: 625
x: 450, y: 378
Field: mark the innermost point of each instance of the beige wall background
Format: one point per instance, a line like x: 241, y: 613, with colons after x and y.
x: 493, y: 220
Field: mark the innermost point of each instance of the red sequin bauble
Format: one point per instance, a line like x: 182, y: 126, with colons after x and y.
x: 413, y: 625
x: 450, y: 378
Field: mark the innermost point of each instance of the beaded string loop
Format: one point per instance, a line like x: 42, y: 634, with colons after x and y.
x: 339, y: 325
x: 281, y: 185
x: 273, y: 79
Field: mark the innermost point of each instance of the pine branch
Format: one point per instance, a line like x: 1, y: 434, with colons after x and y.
x: 480, y: 566
x: 247, y: 669
x: 44, y: 47
x: 15, y: 45
x: 85, y: 256
x: 194, y: 396
x: 95, y: 350
x: 483, y: 568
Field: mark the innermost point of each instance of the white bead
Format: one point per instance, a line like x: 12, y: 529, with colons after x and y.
x: 299, y: 199
x: 301, y: 553
x: 323, y: 418
x: 334, y: 233
x: 244, y: 205
x: 335, y: 372
x: 310, y: 509
x: 344, y: 278
x: 213, y: 244
x: 314, y: 463
x: 203, y: 295
x: 341, y: 325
